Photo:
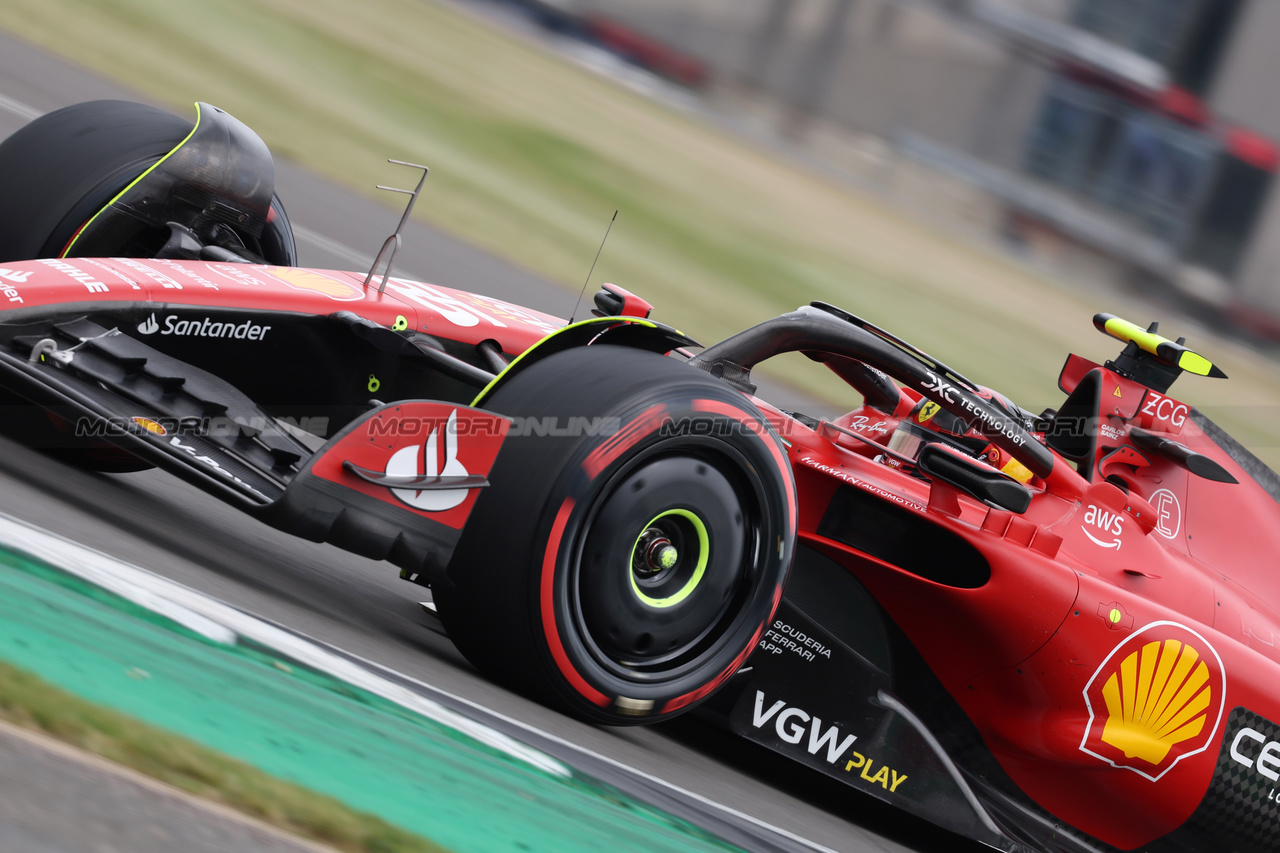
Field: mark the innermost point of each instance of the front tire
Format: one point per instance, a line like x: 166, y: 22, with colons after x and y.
x: 60, y: 169
x: 622, y: 576
x: 56, y: 173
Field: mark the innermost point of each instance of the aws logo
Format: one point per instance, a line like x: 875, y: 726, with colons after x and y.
x: 1104, y: 523
x: 1156, y: 699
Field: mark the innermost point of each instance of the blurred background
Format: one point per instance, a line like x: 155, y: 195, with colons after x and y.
x: 980, y: 176
x: 1129, y: 141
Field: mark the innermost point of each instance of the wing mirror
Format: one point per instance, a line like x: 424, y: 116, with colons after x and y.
x: 940, y: 462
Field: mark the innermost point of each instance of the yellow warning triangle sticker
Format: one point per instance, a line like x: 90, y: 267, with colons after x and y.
x: 1117, y: 392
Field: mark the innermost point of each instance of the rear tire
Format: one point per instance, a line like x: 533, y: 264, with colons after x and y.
x: 623, y: 576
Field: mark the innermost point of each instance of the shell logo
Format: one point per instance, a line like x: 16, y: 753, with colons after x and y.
x: 1156, y: 699
x: 1159, y: 702
x: 317, y: 282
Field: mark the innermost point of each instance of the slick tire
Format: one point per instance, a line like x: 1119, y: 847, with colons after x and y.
x: 59, y: 170
x: 56, y: 172
x: 633, y: 542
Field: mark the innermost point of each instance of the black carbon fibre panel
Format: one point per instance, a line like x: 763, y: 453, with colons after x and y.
x: 1240, y: 812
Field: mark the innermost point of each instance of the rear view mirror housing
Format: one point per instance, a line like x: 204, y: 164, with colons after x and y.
x: 940, y: 462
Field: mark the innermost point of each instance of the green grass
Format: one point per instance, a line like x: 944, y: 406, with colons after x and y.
x: 530, y: 156
x: 28, y: 701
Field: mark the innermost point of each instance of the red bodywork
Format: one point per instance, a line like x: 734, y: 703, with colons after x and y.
x: 453, y: 314
x: 1118, y: 629
x: 1091, y: 585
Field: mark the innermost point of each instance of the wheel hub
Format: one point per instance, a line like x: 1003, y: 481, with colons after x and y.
x: 654, y: 553
x: 669, y: 558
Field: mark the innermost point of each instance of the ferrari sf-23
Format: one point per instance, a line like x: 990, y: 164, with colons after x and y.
x: 1052, y: 631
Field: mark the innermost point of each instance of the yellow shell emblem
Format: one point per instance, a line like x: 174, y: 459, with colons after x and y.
x: 1156, y: 698
x: 318, y: 282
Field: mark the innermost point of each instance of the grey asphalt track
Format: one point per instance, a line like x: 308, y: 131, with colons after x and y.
x: 161, y: 524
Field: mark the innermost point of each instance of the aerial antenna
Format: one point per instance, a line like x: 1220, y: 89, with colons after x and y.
x: 393, y: 242
x: 593, y: 269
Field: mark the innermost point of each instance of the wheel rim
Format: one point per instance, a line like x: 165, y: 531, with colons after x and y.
x: 663, y: 562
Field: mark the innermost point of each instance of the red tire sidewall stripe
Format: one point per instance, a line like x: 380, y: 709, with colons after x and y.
x: 600, y: 459
x: 550, y: 560
x: 623, y: 440
x: 761, y: 429
x: 758, y: 427
x: 693, y: 696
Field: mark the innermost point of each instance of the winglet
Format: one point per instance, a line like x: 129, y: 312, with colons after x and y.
x: 1165, y: 351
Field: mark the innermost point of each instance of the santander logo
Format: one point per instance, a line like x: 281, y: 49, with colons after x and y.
x: 425, y: 461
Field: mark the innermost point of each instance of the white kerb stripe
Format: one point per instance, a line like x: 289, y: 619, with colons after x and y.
x: 223, y: 623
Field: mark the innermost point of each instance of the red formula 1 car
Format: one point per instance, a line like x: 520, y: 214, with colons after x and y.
x: 1052, y: 632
